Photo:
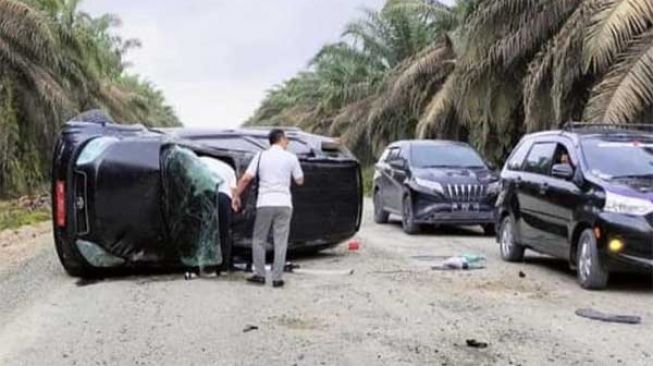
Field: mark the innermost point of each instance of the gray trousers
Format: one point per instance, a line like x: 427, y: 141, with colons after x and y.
x: 277, y: 219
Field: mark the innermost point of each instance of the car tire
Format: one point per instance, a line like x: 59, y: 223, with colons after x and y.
x: 407, y: 219
x: 591, y: 274
x: 510, y: 251
x: 489, y: 230
x: 381, y: 216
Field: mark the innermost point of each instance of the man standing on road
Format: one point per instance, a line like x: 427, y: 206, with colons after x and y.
x: 225, y: 214
x: 274, y: 168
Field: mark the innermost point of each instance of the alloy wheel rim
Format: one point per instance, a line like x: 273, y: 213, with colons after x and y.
x: 585, y: 259
x: 406, y: 216
x: 506, y: 238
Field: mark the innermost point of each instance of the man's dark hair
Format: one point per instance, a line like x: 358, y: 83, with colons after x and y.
x: 276, y: 135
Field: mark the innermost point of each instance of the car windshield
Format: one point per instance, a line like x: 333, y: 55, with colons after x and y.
x: 619, y: 157
x: 425, y: 156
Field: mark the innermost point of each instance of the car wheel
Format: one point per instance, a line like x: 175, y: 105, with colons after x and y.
x: 510, y: 251
x: 407, y: 219
x: 380, y: 215
x: 489, y: 229
x: 591, y: 274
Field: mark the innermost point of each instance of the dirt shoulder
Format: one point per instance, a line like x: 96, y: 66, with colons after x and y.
x: 21, y: 244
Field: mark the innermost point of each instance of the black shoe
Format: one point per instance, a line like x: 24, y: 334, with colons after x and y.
x: 279, y: 283
x: 258, y: 280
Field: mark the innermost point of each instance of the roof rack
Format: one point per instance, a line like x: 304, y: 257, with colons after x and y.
x: 574, y: 126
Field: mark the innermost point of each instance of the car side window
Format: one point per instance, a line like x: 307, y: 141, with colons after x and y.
x: 562, y: 156
x: 540, y: 158
x: 516, y: 160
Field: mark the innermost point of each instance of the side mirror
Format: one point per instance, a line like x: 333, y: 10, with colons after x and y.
x: 491, y: 166
x: 398, y: 164
x: 563, y: 171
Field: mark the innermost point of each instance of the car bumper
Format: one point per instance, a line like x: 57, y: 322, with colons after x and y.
x: 430, y: 210
x: 635, y: 232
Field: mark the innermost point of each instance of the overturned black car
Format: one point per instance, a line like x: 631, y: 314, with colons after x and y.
x: 131, y: 197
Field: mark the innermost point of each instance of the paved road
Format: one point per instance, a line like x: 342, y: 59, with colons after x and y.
x: 393, y: 310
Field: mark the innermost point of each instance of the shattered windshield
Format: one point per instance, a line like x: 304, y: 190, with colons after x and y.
x: 619, y: 157
x: 191, y: 208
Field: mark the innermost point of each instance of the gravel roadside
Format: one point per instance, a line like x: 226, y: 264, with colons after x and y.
x: 393, y: 310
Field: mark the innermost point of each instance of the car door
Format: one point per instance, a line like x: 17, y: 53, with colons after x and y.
x: 532, y: 185
x: 558, y: 198
x: 397, y: 171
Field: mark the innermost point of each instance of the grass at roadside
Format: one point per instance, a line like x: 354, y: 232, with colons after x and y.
x: 368, y: 180
x: 17, y: 213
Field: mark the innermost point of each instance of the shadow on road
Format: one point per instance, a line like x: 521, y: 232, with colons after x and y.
x: 619, y: 282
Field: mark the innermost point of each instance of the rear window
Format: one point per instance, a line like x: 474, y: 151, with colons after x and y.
x: 619, y: 156
x: 540, y: 158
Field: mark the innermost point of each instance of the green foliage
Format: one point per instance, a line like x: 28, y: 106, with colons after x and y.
x: 55, y: 62
x: 13, y: 215
x: 485, y: 71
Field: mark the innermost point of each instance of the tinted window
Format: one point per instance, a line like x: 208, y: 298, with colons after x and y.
x: 424, y: 156
x: 516, y: 160
x: 619, y: 156
x: 540, y: 158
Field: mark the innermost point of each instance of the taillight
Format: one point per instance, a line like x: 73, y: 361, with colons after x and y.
x: 60, y: 201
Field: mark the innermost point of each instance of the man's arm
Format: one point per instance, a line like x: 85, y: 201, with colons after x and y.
x: 298, y: 173
x: 244, y: 182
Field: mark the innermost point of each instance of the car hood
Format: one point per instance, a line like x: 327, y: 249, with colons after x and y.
x: 456, y: 175
x: 639, y: 188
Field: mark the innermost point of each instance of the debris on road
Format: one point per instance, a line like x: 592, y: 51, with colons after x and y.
x: 463, y: 262
x: 610, y: 318
x: 354, y: 245
x: 326, y: 272
x: 250, y: 328
x: 473, y: 343
x: 522, y: 274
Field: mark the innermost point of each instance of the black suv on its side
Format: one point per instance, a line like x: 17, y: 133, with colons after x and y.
x: 434, y: 182
x: 584, y: 194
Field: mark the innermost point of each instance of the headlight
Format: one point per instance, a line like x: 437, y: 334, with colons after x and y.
x: 94, y: 149
x: 435, y: 186
x: 627, y: 205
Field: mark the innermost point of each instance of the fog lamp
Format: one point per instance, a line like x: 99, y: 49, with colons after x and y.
x: 616, y: 245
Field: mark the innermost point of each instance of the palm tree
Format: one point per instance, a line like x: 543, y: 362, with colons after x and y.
x: 576, y: 60
x: 56, y: 61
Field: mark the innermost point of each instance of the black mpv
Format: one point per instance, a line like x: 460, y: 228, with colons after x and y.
x: 584, y: 194
x: 434, y: 182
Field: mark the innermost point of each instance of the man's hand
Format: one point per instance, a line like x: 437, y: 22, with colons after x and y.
x: 236, y: 204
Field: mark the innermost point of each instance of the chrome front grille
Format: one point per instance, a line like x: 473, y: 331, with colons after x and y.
x: 465, y: 192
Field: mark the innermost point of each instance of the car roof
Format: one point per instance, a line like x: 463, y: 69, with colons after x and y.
x: 589, y: 132
x: 403, y: 143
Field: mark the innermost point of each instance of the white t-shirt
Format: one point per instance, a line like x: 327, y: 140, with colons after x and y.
x: 224, y: 171
x: 275, y: 170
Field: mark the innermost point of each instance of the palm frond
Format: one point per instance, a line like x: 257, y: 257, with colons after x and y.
x: 625, y: 92
x: 612, y: 28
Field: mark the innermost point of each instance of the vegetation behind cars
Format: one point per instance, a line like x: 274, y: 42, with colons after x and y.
x: 480, y: 71
x: 56, y: 61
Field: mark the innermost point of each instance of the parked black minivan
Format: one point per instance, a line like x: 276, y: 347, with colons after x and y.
x: 434, y: 182
x: 584, y: 194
